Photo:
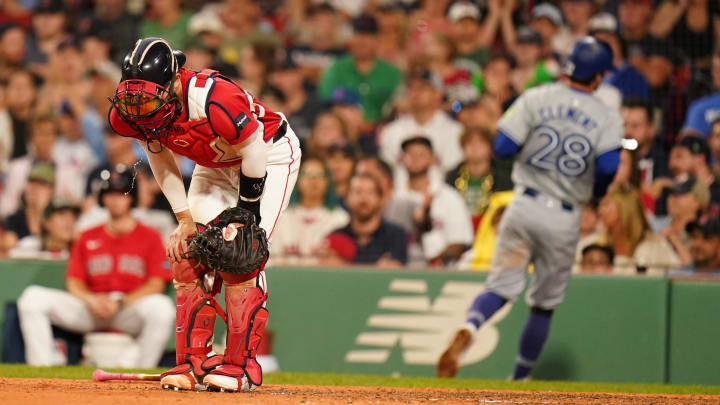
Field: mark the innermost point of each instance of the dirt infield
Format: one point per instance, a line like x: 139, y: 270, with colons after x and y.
x: 57, y: 391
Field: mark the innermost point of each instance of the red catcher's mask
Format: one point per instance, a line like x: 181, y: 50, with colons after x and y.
x: 147, y: 107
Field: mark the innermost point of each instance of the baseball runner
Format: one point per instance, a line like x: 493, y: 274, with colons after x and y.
x: 247, y: 162
x: 566, y: 145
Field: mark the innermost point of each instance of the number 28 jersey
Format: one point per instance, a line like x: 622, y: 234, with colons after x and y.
x: 561, y: 131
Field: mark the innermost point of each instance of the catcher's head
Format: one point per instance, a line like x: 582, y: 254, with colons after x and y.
x: 145, y: 98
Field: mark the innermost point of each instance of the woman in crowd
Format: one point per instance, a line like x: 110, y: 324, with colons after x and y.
x: 624, y: 225
x: 330, y: 129
x: 308, y: 220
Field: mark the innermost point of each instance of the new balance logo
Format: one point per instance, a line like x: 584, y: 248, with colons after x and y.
x: 422, y: 327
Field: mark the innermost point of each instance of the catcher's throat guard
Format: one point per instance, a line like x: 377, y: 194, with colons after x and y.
x: 148, y: 108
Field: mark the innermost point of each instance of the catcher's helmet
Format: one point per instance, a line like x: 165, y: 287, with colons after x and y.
x: 145, y: 97
x: 120, y: 179
x: 588, y: 57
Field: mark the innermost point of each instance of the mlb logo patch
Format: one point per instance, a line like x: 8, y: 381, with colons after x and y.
x: 241, y: 121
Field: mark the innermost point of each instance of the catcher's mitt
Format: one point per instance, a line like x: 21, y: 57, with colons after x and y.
x: 231, y: 243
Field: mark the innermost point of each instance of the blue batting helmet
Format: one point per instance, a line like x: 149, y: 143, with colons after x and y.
x: 588, y: 57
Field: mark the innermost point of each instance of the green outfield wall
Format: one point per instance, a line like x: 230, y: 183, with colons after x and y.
x: 694, y: 349
x: 398, y: 322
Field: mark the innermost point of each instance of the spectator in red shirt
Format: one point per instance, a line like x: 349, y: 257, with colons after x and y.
x: 116, y: 276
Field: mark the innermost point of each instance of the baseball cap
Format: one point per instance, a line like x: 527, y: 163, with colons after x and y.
x: 426, y: 75
x: 93, y: 27
x: 196, y: 43
x: 205, y: 21
x: 7, y: 26
x: 42, y: 173
x: 637, y: 1
x: 365, y: 24
x: 286, y: 63
x: 417, y: 139
x: 696, y: 145
x: 461, y: 10
x: 348, y: 149
x: 603, y: 22
x: 690, y: 185
x: 711, y: 227
x: 320, y: 8
x: 548, y: 11
x: 49, y: 7
x: 70, y: 42
x: 527, y: 35
x: 59, y: 204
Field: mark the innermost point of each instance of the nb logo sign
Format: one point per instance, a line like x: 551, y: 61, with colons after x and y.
x: 422, y: 328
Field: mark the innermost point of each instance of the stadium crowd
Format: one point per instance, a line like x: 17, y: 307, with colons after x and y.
x: 395, y: 102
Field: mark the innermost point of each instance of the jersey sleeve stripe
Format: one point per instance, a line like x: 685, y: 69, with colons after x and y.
x: 509, y: 134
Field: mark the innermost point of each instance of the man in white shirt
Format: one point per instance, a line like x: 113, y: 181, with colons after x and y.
x: 443, y: 227
x: 302, y: 229
x: 425, y: 118
x: 56, y: 236
x: 73, y: 150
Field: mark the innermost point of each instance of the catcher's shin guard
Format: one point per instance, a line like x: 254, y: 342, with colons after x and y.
x: 246, y: 318
x: 193, y: 336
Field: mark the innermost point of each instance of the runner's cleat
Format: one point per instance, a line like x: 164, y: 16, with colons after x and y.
x: 449, y: 362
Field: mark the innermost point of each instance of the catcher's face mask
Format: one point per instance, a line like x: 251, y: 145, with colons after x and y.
x: 147, y: 107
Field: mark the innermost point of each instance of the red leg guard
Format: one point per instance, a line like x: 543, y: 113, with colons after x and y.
x: 195, y: 323
x: 246, y: 324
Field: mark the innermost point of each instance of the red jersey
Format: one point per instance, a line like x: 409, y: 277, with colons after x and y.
x: 217, y: 113
x: 118, y: 263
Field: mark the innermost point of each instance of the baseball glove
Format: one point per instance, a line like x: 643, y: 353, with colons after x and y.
x: 232, y: 242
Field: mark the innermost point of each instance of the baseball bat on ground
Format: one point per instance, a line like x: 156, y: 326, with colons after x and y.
x: 102, y: 375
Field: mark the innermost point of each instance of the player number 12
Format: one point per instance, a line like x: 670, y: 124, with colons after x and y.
x: 575, y: 150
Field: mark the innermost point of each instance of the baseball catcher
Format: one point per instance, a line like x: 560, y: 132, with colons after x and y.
x: 247, y: 160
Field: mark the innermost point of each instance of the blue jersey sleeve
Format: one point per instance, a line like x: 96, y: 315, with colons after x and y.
x: 505, y: 147
x: 606, y: 166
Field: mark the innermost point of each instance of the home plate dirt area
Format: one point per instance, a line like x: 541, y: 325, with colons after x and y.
x: 32, y: 391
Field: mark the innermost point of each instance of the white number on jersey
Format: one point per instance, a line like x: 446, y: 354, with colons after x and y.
x: 571, y: 162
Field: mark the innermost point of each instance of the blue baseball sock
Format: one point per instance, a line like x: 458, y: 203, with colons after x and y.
x: 532, y: 339
x: 484, y: 306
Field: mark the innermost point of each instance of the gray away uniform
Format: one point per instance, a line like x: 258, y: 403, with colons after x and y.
x: 560, y: 131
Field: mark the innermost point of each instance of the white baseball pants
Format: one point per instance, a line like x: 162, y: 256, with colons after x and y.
x: 150, y: 320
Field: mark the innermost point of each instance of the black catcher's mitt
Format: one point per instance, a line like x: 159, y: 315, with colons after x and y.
x: 231, y: 243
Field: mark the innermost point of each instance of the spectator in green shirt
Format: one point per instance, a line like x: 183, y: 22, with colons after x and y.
x: 362, y: 71
x: 166, y: 21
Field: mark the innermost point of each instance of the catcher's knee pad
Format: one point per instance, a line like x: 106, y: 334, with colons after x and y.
x: 234, y: 279
x: 246, y: 316
x: 195, y: 323
x: 184, y: 271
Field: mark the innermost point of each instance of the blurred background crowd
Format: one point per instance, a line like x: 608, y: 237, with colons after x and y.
x: 395, y: 102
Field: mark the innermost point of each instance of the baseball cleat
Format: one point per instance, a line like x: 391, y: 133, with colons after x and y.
x: 177, y: 382
x: 224, y: 383
x: 449, y: 362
